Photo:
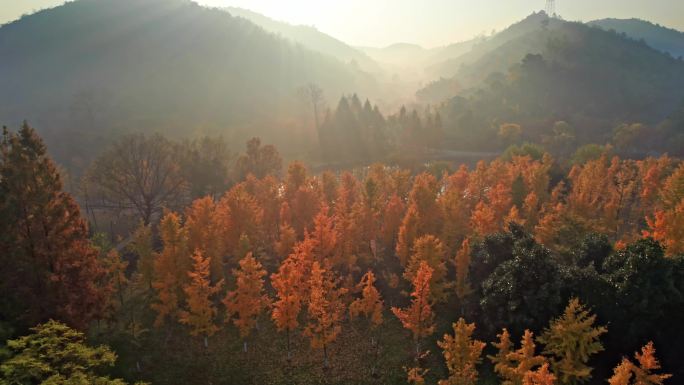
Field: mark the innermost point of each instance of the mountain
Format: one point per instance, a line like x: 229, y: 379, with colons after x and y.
x: 659, y: 37
x: 91, y: 69
x: 559, y: 71
x: 309, y: 37
x: 519, y: 32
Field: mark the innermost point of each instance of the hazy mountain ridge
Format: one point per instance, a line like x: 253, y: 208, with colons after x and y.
x: 565, y: 71
x: 100, y: 67
x: 309, y: 37
x: 657, y: 36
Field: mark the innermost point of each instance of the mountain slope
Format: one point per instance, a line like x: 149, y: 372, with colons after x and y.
x: 93, y: 68
x: 480, y: 47
x: 309, y: 37
x: 561, y: 71
x: 661, y: 38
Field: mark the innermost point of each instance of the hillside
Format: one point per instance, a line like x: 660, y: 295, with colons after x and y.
x: 536, y: 22
x: 92, y: 68
x: 309, y: 37
x: 657, y: 36
x: 592, y: 78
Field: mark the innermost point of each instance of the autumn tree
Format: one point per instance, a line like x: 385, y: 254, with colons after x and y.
x: 325, y: 310
x: 287, y: 283
x: 171, y: 267
x: 541, y: 376
x: 462, y: 263
x: 512, y: 365
x: 667, y: 227
x: 418, y: 316
x: 239, y: 215
x: 462, y: 354
x: 202, y: 228
x: 429, y: 249
x: 423, y: 215
x: 141, y: 173
x: 49, y: 269
x: 483, y: 220
x: 570, y: 341
x: 258, y: 160
x: 369, y: 305
x: 201, y: 311
x: 248, y: 301
x: 628, y: 373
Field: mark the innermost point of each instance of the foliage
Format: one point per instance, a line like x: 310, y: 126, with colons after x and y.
x: 50, y: 269
x: 57, y: 354
x: 461, y: 354
x: 570, y: 341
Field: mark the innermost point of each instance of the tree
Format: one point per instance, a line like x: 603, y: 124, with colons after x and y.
x: 462, y: 263
x: 141, y: 246
x: 204, y: 234
x: 56, y: 354
x: 370, y: 307
x: 370, y: 304
x: 429, y: 249
x: 287, y: 282
x: 418, y: 316
x: 313, y: 94
x: 171, y: 266
x: 325, y: 310
x: 462, y: 354
x: 541, y: 376
x: 667, y: 226
x: 642, y: 373
x: 141, y: 173
x: 258, y: 160
x: 201, y: 310
x: 247, y: 302
x: 509, y: 133
x: 570, y: 341
x: 523, y: 288
x: 512, y: 366
x: 49, y: 269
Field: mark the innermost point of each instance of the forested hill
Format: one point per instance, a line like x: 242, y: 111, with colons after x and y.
x: 90, y: 68
x: 309, y: 37
x: 657, y: 36
x: 562, y: 71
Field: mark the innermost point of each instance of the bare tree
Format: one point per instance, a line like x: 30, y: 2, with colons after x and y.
x: 141, y: 173
x: 311, y: 93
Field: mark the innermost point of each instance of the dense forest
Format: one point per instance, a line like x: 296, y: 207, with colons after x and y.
x: 305, y: 278
x: 196, y: 195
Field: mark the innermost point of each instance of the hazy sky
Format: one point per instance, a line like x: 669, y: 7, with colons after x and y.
x: 425, y: 22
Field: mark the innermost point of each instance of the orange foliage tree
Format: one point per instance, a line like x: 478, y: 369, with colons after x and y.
x: 642, y: 374
x: 462, y: 354
x: 429, y: 249
x: 541, y: 376
x: 171, y: 266
x: 325, y: 309
x: 418, y: 317
x: 201, y: 311
x: 512, y: 366
x: 247, y: 302
x: 287, y: 283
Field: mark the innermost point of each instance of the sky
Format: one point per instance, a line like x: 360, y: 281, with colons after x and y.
x: 430, y: 23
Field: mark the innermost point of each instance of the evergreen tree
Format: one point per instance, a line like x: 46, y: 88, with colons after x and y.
x: 49, y: 269
x: 570, y: 341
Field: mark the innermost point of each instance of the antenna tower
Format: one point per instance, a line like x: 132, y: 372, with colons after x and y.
x: 550, y: 7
